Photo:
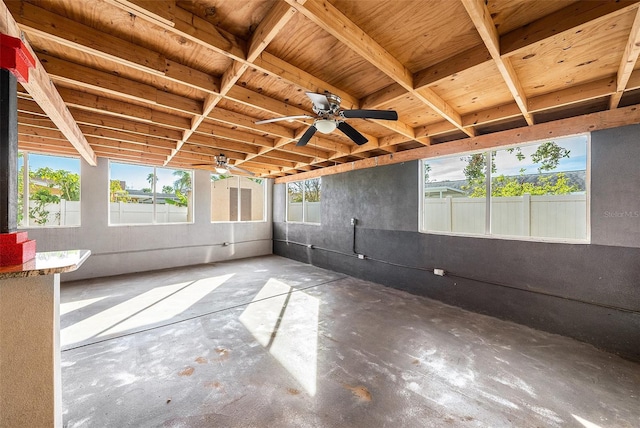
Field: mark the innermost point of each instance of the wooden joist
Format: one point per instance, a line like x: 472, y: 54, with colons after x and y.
x: 46, y: 95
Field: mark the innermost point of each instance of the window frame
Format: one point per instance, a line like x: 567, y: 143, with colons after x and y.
x: 304, y: 203
x: 153, y: 193
x: 239, y: 201
x: 488, y: 198
x: 24, y: 207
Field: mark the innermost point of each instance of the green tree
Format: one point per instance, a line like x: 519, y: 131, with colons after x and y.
x: 427, y: 171
x: 152, y: 179
x: 311, y: 189
x: 38, y: 212
x: 181, y: 200
x: 547, y: 155
x: 167, y: 189
x: 218, y: 177
x: 183, y: 183
x: 20, y: 189
x: 66, y: 181
x: 553, y: 184
x: 117, y: 193
x: 474, y: 172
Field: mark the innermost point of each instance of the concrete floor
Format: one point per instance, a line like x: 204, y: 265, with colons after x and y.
x: 184, y: 348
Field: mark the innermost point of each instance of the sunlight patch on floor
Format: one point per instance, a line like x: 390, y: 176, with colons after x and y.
x: 67, y: 307
x: 585, y: 422
x: 154, y: 306
x: 286, y: 323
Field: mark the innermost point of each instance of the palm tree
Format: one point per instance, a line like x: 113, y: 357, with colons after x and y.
x: 152, y: 178
x: 183, y: 183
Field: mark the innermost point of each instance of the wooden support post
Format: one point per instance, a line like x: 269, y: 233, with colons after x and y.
x: 15, y: 62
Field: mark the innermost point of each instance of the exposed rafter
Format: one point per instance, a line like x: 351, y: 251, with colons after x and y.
x: 46, y: 95
x: 481, y: 17
x: 628, y: 62
x: 335, y: 23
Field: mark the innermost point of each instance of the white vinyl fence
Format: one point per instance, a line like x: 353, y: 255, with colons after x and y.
x: 312, y: 212
x: 549, y: 216
x: 127, y: 213
x: 65, y: 213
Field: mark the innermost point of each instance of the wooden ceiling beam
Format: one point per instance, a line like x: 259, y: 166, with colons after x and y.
x: 46, y: 95
x: 568, y: 19
x: 592, y: 122
x: 628, y: 62
x: 66, y: 72
x: 330, y: 19
x: 288, y: 73
x: 185, y: 24
x: 481, y: 18
x: 210, y: 151
x: 46, y: 149
x: 67, y: 32
x: 565, y: 97
x: 97, y: 40
x: 101, y: 143
x: 217, y: 131
x: 288, y: 156
x: 38, y: 21
x: 38, y: 126
x: 462, y: 62
x: 240, y: 121
x: 575, y: 94
x: 277, y: 17
x: 222, y: 144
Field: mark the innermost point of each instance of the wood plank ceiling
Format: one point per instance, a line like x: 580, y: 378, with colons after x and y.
x: 177, y: 82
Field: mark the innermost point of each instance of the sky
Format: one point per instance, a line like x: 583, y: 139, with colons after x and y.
x: 443, y: 169
x: 451, y: 168
x: 136, y: 176
x: 53, y: 162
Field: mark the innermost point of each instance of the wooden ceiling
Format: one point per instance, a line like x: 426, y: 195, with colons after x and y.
x: 177, y: 82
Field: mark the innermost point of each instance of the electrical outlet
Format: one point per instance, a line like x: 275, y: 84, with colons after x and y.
x: 439, y: 272
x: 354, y: 221
x: 361, y: 256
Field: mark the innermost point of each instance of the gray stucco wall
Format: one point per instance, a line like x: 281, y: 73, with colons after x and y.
x: 587, y: 291
x: 125, y: 249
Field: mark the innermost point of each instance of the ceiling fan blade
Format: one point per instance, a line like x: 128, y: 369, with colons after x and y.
x: 371, y: 114
x: 237, y: 168
x: 351, y: 132
x: 277, y: 119
x: 307, y: 136
x: 319, y: 100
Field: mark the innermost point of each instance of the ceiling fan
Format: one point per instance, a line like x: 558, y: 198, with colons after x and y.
x: 329, y: 116
x: 222, y: 166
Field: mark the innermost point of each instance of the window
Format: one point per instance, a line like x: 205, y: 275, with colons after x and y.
x: 149, y: 195
x: 48, y: 190
x: 303, y: 201
x: 235, y: 198
x: 536, y: 190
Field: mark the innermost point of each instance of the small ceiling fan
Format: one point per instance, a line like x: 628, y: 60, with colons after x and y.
x: 222, y: 166
x: 329, y: 116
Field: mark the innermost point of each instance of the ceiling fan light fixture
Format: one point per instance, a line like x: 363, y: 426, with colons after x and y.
x: 221, y: 170
x: 325, y: 126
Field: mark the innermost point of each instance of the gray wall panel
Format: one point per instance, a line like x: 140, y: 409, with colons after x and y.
x: 586, y: 291
x: 615, y: 179
x: 125, y: 249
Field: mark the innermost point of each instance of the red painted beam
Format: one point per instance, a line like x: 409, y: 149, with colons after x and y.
x: 15, y: 57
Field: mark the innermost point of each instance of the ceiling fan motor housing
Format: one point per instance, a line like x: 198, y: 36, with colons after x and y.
x: 334, y: 106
